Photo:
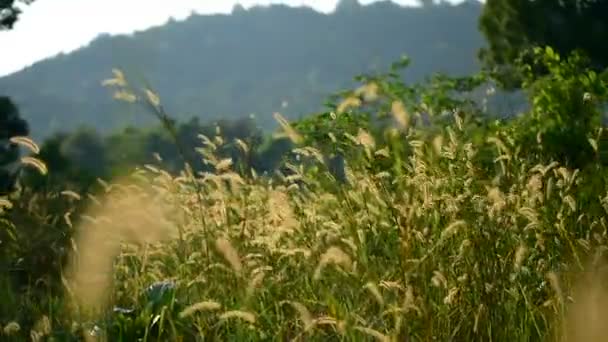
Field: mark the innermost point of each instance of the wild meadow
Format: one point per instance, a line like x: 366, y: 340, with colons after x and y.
x: 403, y: 213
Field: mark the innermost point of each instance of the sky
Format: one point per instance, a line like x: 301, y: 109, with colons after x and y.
x: 48, y: 27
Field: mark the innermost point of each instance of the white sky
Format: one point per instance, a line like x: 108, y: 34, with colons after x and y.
x: 48, y: 27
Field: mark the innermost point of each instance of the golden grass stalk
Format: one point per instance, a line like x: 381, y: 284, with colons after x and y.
x: 207, y: 305
x: 239, y: 314
x: 333, y: 256
x: 291, y: 133
x: 303, y: 312
x: 35, y: 163
x: 374, y: 333
x: 230, y: 254
x: 26, y: 142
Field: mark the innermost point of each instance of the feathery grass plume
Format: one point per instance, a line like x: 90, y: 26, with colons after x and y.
x: 478, y: 315
x: 281, y: 215
x: 107, y: 187
x: 93, y: 199
x: 135, y: 217
x: 219, y: 266
x: 543, y: 169
x: 36, y: 163
x: 66, y: 218
x: 465, y: 246
x: 438, y: 144
x: 223, y: 165
x: 289, y: 131
x: 373, y: 289
x: 439, y: 280
x: 571, y: 202
x: 563, y: 172
x: 452, y: 296
x: 531, y: 215
x: 332, y: 137
x: 383, y: 152
x: 333, y: 256
x: 369, y: 92
x: 400, y: 114
x: 309, y: 151
x: 207, y: 142
x: 365, y: 139
x: 350, y: 243
x: 520, y: 256
x: 374, y: 333
x: 43, y: 326
x: 303, y: 313
x: 289, y: 252
x: 242, y: 145
x: 111, y: 82
x: 151, y: 168
x: 554, y: 282
x: 118, y: 80
x: 126, y: 96
x: 339, y: 325
x: 496, y: 196
x: 11, y: 328
x: 452, y: 229
x: 207, y: 305
x: 218, y: 140
x: 255, y: 282
x: 5, y: 204
x: 72, y: 194
x: 499, y: 144
x: 535, y: 184
x: 229, y: 253
x: 246, y: 316
x: 26, y: 142
x: 152, y: 97
x: 391, y: 285
x: 348, y: 103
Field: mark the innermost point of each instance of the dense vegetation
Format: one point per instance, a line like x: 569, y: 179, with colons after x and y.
x: 401, y: 211
x: 9, y: 13
x: 512, y: 29
x: 255, y: 61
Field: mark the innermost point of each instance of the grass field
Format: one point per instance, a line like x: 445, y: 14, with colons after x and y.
x: 441, y: 245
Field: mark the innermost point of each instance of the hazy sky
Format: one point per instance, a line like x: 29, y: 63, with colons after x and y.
x: 48, y: 27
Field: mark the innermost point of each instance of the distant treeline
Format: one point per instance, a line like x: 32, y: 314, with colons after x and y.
x: 78, y: 159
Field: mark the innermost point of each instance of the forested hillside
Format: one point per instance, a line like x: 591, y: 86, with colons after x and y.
x: 253, y: 61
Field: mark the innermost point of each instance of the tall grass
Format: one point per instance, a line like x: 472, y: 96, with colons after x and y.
x: 445, y: 249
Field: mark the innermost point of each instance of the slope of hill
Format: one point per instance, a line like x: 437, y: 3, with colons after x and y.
x: 260, y: 60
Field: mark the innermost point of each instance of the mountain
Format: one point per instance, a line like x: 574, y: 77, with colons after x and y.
x: 255, y: 61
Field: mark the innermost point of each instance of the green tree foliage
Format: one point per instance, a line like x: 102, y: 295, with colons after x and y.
x: 9, y: 13
x: 568, y: 105
x: 348, y: 6
x: 515, y: 27
x: 11, y: 125
x: 78, y: 159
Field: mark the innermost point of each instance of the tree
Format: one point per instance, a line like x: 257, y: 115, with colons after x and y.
x: 348, y: 6
x: 86, y: 151
x: 513, y: 27
x: 11, y: 125
x: 9, y: 13
x: 238, y: 9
